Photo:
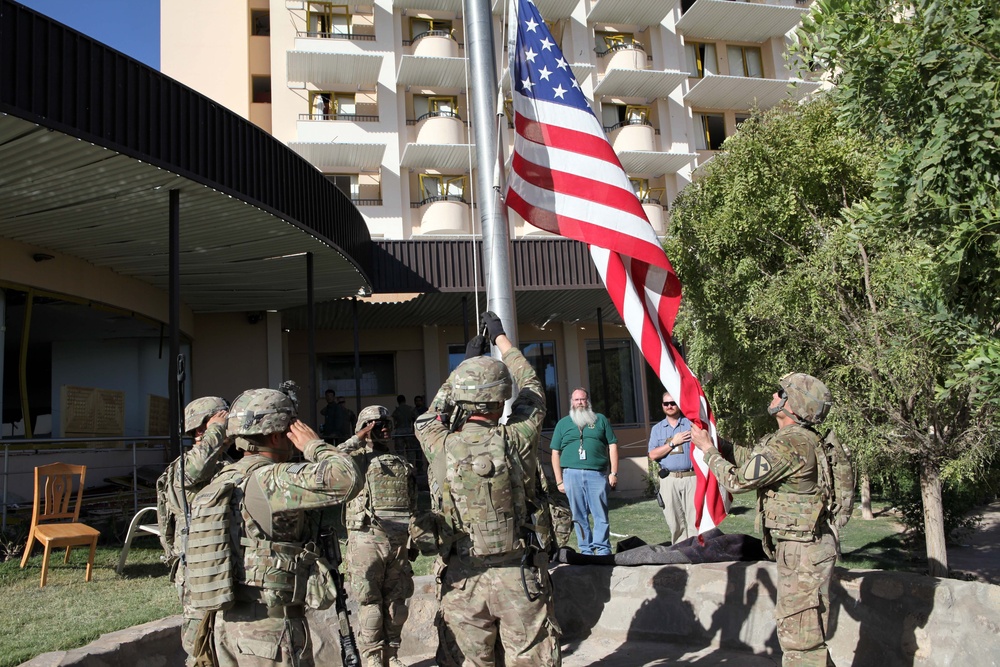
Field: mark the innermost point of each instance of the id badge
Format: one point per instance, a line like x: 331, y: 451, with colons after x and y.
x: 583, y: 454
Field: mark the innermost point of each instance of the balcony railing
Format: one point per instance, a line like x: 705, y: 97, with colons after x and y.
x: 431, y: 33
x: 431, y: 200
x: 357, y: 118
x: 614, y: 48
x: 366, y: 202
x: 336, y: 35
x: 631, y: 121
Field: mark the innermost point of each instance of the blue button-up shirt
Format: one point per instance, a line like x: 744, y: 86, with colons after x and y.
x: 662, y: 432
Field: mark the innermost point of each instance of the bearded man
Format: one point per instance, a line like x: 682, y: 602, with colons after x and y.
x: 585, y: 462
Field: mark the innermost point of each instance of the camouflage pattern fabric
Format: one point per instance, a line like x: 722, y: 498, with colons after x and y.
x: 482, y: 600
x: 201, y: 463
x: 277, y: 498
x: 783, y: 470
x: 379, y: 571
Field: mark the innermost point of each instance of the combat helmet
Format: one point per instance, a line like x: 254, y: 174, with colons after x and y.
x: 200, y: 409
x: 259, y: 412
x: 807, y: 398
x: 481, y: 381
x: 372, y: 413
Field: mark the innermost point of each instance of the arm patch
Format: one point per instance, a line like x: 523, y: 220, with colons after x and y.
x: 758, y: 466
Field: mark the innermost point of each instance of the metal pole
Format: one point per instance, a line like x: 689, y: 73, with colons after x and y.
x: 135, y: 481
x: 484, y: 102
x: 357, y: 357
x: 604, y: 363
x: 6, y: 454
x: 311, y: 338
x: 174, y: 289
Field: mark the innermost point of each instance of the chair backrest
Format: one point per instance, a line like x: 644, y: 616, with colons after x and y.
x: 54, y: 492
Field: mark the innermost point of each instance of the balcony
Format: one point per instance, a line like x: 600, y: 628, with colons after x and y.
x: 368, y: 36
x: 738, y: 21
x: 649, y: 84
x: 632, y: 12
x: 328, y: 69
x: 459, y: 157
x: 446, y: 214
x: 431, y: 72
x: 625, y: 56
x: 350, y: 117
x: 334, y: 156
x: 454, y: 6
x: 656, y: 215
x: 635, y: 134
x: 440, y: 127
x: 434, y: 44
x: 740, y: 92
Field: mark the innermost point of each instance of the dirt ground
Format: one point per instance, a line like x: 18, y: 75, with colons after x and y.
x: 978, y: 554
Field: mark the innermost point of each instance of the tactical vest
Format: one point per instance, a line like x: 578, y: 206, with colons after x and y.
x: 386, y: 492
x: 169, y: 507
x: 792, y: 509
x: 231, y: 561
x: 483, y: 494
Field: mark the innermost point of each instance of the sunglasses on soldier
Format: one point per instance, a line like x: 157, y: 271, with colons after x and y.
x: 380, y: 423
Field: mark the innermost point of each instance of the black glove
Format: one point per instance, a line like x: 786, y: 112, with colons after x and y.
x: 475, y: 348
x: 493, y: 325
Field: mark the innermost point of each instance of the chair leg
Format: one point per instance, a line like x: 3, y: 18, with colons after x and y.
x: 90, y: 559
x: 132, y: 527
x: 45, y: 563
x: 66, y: 559
x: 27, y: 548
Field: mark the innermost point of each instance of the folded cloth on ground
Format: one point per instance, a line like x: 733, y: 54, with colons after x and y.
x: 713, y: 547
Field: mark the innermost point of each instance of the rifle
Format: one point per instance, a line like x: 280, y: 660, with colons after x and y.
x: 330, y: 547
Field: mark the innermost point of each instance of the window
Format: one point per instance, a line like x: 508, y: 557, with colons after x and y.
x: 326, y: 105
x: 646, y: 194
x: 435, y: 105
x: 745, y: 61
x: 616, y: 398
x: 261, y: 89
x: 421, y: 27
x: 456, y: 355
x: 709, y: 131
x: 435, y: 187
x: 614, y: 116
x: 346, y: 183
x: 741, y: 118
x: 260, y: 23
x: 542, y: 357
x: 701, y: 59
x: 324, y: 19
x: 378, y: 374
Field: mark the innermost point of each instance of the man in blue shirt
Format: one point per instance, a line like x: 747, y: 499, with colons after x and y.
x: 670, y: 445
x: 585, y: 462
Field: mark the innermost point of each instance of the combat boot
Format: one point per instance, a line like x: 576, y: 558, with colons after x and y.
x: 374, y: 658
x: 394, y: 660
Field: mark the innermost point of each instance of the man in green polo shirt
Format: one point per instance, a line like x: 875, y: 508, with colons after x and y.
x: 585, y: 462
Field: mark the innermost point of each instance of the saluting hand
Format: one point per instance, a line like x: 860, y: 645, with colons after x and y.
x: 301, y: 434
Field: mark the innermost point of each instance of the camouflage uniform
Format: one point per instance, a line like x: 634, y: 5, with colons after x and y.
x: 266, y: 626
x: 378, y: 522
x: 482, y: 599
x: 784, y: 470
x: 201, y: 463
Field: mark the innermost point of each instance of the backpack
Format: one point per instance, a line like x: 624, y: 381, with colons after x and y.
x: 836, y: 478
x: 169, y: 507
x: 553, y: 519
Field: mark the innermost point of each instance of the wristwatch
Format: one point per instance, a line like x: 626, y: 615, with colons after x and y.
x: 612, y: 473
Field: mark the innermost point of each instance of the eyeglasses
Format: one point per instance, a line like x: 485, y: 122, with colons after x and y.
x: 667, y: 404
x: 379, y: 423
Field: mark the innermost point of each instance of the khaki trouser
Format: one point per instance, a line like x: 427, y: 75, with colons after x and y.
x: 481, y: 604
x: 251, y: 635
x: 381, y: 582
x: 803, y: 607
x: 678, y: 506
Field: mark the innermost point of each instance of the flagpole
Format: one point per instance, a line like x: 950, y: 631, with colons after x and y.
x: 493, y: 219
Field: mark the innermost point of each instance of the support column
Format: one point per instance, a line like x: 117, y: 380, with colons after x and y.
x: 432, y: 364
x: 311, y: 336
x: 176, y: 409
x: 571, y: 351
x: 275, y: 346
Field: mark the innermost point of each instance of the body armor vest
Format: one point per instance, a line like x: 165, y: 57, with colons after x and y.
x: 483, y: 494
x: 792, y: 509
x: 386, y: 493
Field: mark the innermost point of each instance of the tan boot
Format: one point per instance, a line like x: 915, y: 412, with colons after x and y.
x: 373, y: 659
x: 394, y: 660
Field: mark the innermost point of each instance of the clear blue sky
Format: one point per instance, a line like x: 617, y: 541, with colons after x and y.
x: 130, y: 26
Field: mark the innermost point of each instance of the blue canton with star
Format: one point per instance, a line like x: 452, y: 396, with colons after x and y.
x: 539, y: 70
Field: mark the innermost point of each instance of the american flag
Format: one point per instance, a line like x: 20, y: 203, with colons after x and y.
x: 567, y: 179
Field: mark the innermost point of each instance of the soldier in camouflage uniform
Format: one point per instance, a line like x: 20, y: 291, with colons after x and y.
x: 495, y: 586
x: 205, y: 422
x: 266, y: 625
x: 378, y: 524
x: 784, y: 470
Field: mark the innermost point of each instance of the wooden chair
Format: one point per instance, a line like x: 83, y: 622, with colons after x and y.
x: 55, y: 515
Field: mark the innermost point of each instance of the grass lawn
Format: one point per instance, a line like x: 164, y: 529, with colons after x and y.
x: 69, y: 613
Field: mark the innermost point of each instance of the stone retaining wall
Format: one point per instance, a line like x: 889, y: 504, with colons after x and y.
x: 887, y: 619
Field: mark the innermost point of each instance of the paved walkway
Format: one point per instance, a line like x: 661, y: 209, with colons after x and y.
x: 978, y: 554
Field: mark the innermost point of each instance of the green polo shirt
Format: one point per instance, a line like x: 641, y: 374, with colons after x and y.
x: 566, y: 440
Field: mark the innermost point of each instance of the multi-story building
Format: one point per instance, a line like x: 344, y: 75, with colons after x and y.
x: 375, y: 94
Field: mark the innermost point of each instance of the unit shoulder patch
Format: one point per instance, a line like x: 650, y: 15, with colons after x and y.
x: 758, y: 466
